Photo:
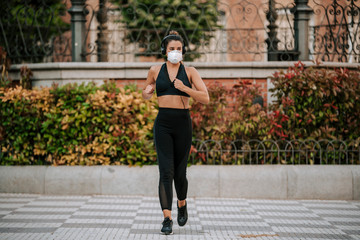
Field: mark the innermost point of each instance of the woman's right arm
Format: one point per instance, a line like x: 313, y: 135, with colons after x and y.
x: 149, y: 84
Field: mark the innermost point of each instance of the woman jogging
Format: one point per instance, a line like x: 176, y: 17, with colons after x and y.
x: 174, y: 84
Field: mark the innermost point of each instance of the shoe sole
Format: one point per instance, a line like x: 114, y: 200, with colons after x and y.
x: 183, y: 224
x: 166, y: 233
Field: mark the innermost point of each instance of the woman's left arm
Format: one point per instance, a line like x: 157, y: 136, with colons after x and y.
x: 200, y: 92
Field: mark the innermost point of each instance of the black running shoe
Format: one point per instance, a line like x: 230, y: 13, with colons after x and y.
x: 167, y: 226
x: 182, y: 216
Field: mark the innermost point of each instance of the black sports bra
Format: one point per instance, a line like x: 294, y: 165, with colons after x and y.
x: 166, y: 87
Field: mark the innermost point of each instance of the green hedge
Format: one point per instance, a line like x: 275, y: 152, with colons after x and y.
x: 316, y: 103
x: 76, y: 125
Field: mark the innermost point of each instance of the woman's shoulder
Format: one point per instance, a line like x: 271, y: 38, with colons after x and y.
x: 190, y: 70
x: 154, y: 72
x: 156, y: 68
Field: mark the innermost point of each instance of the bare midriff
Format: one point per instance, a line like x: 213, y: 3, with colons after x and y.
x: 173, y: 101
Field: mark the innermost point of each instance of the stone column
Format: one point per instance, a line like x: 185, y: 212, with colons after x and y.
x: 102, y: 45
x: 272, y: 41
x: 78, y: 13
x: 301, y: 26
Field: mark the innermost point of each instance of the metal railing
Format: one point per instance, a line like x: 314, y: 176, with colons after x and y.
x: 32, y: 31
x: 243, y: 30
x: 240, y: 152
x: 336, y: 31
x: 249, y: 152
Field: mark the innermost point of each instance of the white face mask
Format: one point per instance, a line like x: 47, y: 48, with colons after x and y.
x: 174, y: 56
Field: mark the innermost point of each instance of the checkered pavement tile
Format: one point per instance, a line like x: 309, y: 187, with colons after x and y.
x: 98, y: 217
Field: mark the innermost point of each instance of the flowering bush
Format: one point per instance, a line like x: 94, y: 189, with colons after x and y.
x: 316, y: 103
x: 209, y: 120
x: 76, y: 125
x: 231, y: 114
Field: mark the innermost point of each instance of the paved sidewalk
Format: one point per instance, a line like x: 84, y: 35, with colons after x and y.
x: 29, y: 216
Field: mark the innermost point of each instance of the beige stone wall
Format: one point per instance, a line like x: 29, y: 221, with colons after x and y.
x: 245, y: 24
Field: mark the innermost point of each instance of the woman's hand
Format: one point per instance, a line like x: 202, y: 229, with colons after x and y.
x: 178, y: 84
x: 149, y: 89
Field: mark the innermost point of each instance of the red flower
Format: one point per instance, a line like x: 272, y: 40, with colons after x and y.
x: 289, y: 75
x: 193, y: 149
x: 283, y: 134
x: 284, y: 118
x: 202, y: 156
x: 276, y: 113
x: 300, y: 64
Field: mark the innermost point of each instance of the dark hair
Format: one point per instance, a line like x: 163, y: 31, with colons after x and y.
x: 173, y: 35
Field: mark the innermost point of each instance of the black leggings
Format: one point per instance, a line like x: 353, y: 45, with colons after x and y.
x: 173, y: 134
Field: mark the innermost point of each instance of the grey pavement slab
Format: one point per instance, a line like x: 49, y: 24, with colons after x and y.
x: 98, y: 217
